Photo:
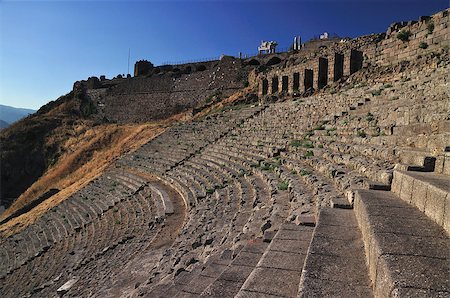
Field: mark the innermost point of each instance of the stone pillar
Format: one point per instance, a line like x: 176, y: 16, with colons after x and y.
x: 274, y: 85
x: 356, y: 61
x: 285, y: 84
x: 322, y: 78
x: 338, y: 67
x: 308, y: 81
x: 264, y: 87
x: 295, y: 82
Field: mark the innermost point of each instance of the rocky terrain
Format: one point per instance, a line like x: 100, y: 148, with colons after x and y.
x: 341, y: 191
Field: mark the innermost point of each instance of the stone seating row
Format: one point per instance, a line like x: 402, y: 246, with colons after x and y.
x: 114, y: 227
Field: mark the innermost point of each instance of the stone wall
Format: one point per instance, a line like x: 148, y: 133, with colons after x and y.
x: 169, y: 91
x: 425, y: 38
x: 335, y: 59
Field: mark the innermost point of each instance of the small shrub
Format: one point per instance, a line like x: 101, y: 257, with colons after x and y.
x: 246, y: 84
x: 376, y: 92
x: 404, y: 35
x: 423, y: 45
x: 361, y: 133
x: 320, y: 146
x: 430, y: 27
x: 395, y: 98
x: 294, y: 172
x: 117, y: 222
x: 369, y: 117
x: 210, y: 190
x: 305, y: 173
x: 309, y: 153
x: 385, y: 86
x: 445, y: 49
x: 283, y: 185
x: 299, y: 143
x: 296, y: 143
x: 308, y: 145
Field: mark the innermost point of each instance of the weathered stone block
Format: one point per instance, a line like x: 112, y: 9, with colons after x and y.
x: 419, y: 197
x: 435, y: 204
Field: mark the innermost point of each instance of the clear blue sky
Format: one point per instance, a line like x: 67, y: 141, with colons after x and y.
x: 45, y: 46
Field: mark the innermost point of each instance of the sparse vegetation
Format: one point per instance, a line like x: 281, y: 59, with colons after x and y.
x: 376, y: 92
x: 309, y: 153
x: 430, y: 27
x: 305, y: 173
x: 404, y: 35
x: 301, y: 143
x: 361, y: 133
x: 369, y: 117
x: 283, y: 185
x: 423, y: 45
x: 296, y: 143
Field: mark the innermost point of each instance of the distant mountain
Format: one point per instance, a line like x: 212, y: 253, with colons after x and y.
x: 3, y: 124
x: 10, y: 114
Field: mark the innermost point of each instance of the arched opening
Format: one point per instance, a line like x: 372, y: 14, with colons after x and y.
x: 274, y: 85
x: 323, y: 73
x: 188, y: 69
x: 308, y: 83
x: 200, y: 67
x: 265, y: 87
x: 273, y: 61
x: 253, y: 62
x: 338, y: 71
x: 284, y: 84
x: 356, y: 61
x: 296, y: 85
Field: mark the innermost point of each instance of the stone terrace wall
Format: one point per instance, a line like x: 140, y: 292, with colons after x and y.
x: 318, y: 66
x: 141, y: 99
x: 392, y: 50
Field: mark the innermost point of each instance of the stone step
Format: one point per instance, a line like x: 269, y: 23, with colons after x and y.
x: 278, y: 271
x: 232, y: 278
x: 406, y: 252
x: 416, y: 159
x: 335, y: 265
x: 164, y: 198
x: 204, y: 277
x: 429, y: 192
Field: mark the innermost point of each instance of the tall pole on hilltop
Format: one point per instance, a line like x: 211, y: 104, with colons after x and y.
x: 129, y: 50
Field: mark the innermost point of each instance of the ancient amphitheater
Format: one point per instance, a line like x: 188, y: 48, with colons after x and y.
x: 343, y: 193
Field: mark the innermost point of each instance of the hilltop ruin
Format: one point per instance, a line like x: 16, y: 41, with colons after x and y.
x: 320, y: 172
